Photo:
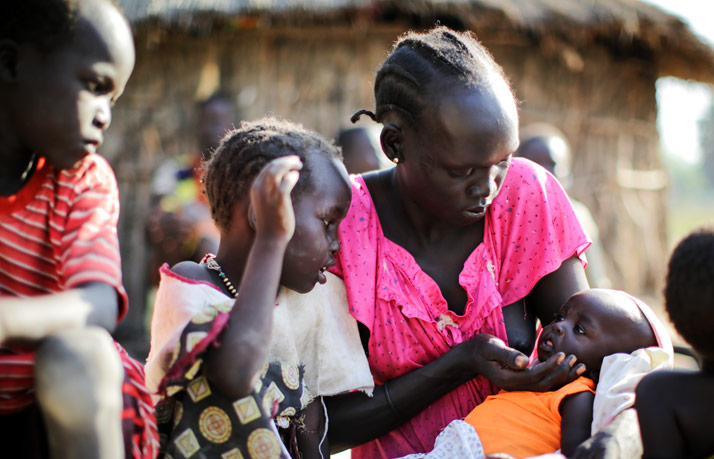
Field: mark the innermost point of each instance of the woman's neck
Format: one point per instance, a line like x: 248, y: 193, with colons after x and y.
x: 426, y: 228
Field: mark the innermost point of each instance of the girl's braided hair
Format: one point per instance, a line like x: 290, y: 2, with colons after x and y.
x: 419, y: 60
x: 243, y: 153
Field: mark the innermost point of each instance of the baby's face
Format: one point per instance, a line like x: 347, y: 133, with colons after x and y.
x: 593, y: 324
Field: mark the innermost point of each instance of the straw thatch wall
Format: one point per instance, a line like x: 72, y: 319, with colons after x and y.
x: 569, y: 68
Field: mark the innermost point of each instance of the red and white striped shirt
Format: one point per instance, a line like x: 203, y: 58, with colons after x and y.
x: 57, y: 232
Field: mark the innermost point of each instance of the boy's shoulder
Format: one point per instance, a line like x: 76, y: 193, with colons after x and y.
x: 676, y: 379
x: 676, y: 388
x: 675, y: 408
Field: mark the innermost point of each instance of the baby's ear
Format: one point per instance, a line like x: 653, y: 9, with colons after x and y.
x: 8, y: 61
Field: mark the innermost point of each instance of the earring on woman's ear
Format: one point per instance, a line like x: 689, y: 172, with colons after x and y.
x: 395, y: 160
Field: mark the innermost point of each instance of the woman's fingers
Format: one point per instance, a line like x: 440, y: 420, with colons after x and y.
x: 506, y: 356
x: 556, y: 371
x: 508, y: 368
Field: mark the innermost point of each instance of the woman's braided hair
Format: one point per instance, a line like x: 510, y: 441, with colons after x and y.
x: 419, y: 60
x: 243, y: 153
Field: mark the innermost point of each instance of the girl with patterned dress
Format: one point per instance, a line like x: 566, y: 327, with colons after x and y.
x: 244, y: 344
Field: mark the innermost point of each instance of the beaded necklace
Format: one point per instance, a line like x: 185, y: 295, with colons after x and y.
x: 212, y: 264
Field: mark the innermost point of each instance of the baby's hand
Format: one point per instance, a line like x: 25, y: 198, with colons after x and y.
x: 271, y: 209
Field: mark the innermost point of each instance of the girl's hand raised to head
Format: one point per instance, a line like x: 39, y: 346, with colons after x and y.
x: 271, y: 209
x: 508, y: 368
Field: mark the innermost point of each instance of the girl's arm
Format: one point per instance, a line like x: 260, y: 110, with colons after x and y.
x: 232, y: 365
x: 576, y: 413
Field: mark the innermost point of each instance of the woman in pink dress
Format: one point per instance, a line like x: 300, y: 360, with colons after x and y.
x: 450, y: 257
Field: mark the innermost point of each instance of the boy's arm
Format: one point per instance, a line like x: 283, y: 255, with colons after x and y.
x: 576, y: 418
x: 34, y: 318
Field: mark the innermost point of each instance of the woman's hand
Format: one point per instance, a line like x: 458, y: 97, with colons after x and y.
x: 271, y: 211
x: 356, y: 418
x: 508, y: 368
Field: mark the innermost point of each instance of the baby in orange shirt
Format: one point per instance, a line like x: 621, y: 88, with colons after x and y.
x: 591, y: 325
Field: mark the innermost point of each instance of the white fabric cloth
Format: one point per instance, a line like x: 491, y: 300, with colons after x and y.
x: 458, y: 440
x: 314, y: 329
x: 317, y: 330
x: 619, y: 376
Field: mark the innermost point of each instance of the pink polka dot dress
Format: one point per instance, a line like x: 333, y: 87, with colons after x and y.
x: 530, y: 229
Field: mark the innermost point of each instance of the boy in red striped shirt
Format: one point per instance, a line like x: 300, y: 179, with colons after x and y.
x: 66, y: 389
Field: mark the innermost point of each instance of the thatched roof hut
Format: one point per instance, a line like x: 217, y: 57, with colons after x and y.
x: 587, y: 67
x: 628, y: 28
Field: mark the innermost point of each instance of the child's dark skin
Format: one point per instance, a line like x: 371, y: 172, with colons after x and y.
x: 675, y: 407
x: 58, y: 103
x: 679, y: 405
x: 272, y: 241
x: 591, y: 325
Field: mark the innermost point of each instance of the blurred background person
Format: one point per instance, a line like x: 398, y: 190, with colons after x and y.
x: 546, y: 145
x: 180, y: 225
x: 358, y: 150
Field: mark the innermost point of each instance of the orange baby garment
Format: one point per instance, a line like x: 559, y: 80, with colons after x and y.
x: 521, y: 423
